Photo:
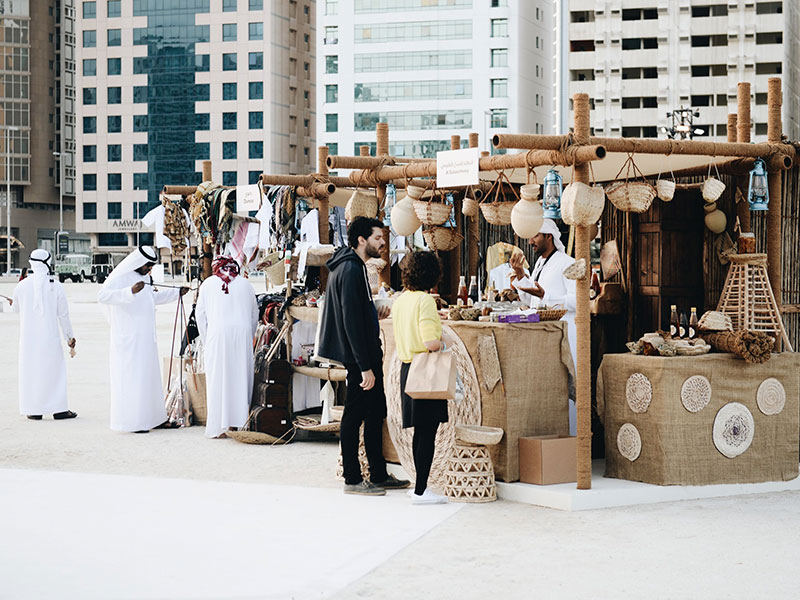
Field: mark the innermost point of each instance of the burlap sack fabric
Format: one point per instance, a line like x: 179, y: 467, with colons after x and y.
x: 677, y: 445
x: 535, y: 360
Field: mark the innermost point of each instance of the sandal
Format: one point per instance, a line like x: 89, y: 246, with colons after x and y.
x: 67, y: 414
x: 35, y: 417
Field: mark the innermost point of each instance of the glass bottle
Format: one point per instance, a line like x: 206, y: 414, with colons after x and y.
x: 462, y: 290
x: 473, y: 289
x: 684, y: 326
x: 674, y: 324
x: 693, y: 324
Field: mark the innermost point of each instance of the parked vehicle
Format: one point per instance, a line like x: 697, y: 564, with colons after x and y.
x: 77, y: 267
x: 13, y: 273
x: 103, y: 263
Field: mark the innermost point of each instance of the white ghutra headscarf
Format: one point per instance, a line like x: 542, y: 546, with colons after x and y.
x: 40, y: 265
x: 549, y: 226
x: 140, y: 257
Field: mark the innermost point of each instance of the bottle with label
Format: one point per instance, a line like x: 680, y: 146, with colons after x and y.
x: 473, y: 289
x: 674, y: 324
x: 684, y: 326
x: 462, y: 290
x: 693, y: 324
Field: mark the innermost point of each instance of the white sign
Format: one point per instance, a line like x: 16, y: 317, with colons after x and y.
x: 456, y: 168
x: 248, y: 197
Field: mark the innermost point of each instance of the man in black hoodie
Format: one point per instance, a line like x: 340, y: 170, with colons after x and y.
x: 350, y: 334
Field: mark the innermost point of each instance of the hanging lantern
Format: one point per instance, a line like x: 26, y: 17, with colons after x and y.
x: 758, y: 190
x: 552, y: 195
x: 388, y: 203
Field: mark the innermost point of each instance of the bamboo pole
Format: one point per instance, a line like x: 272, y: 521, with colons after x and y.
x: 473, y: 228
x: 742, y: 182
x: 737, y: 166
x: 324, y: 211
x: 645, y: 145
x: 733, y: 118
x: 583, y: 373
x: 774, y: 216
x: 382, y: 151
x: 207, y: 250
x: 743, y: 113
x: 454, y: 256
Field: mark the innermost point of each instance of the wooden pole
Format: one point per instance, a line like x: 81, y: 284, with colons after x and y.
x: 742, y: 181
x: 208, y: 253
x: 743, y: 113
x: 774, y: 216
x: 737, y: 166
x: 473, y: 231
x: 731, y: 130
x: 382, y: 150
x: 583, y: 373
x: 324, y: 211
x: 454, y: 256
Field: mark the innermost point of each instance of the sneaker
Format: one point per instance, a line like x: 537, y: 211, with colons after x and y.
x: 393, y: 483
x: 364, y: 488
x: 428, y: 497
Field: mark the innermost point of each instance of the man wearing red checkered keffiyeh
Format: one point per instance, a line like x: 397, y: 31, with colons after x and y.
x: 226, y: 269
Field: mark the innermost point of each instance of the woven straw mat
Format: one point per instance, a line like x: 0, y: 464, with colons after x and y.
x: 733, y: 429
x: 695, y: 393
x: 638, y: 392
x: 771, y: 397
x: 629, y: 442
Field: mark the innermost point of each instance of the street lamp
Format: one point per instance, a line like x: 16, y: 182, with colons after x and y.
x: 60, y: 198
x: 682, y: 124
x: 9, y: 129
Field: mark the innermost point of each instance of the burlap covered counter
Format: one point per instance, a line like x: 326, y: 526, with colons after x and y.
x: 677, y: 445
x: 535, y: 361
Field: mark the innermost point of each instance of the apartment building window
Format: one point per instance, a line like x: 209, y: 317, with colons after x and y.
x: 769, y: 8
x: 114, y: 66
x: 115, y: 95
x: 229, y: 5
x: 639, y: 73
x: 585, y: 74
x: 701, y: 100
x: 90, y: 95
x: 499, y: 88
x: 255, y: 149
x: 202, y: 121
x: 255, y: 61
x: 89, y: 10
x: 202, y: 62
x: 140, y: 182
x: 581, y: 45
x: 255, y: 31
x: 229, y: 32
x: 202, y: 92
x: 114, y: 8
x: 709, y: 70
x: 773, y: 37
x: 637, y: 102
x: 333, y: 148
x: 774, y: 68
x: 761, y: 129
x: 710, y: 10
x: 115, y: 239
x: 90, y: 39
x: 229, y: 120
x: 89, y: 153
x: 499, y: 117
x: 499, y: 57
x: 499, y: 3
x: 648, y: 43
x: 140, y: 152
x: 89, y: 67
x: 331, y: 34
x: 255, y: 90
x: 114, y: 210
x: 114, y: 152
x: 413, y: 90
x: 229, y: 62
x: 331, y: 123
x: 89, y: 124
x: 114, y: 124
x: 639, y: 14
x: 89, y: 208
x: 229, y: 91
x: 228, y: 150
x: 703, y: 41
x: 255, y: 120
x: 256, y: 4
x: 414, y: 119
x: 331, y: 7
x: 307, y: 42
x: 332, y: 93
x: 413, y: 61
x: 114, y: 37
x: 229, y: 178
x: 140, y: 123
x: 581, y: 16
x: 252, y: 179
x: 139, y: 94
x: 499, y: 28
x: 331, y: 64
x: 761, y: 99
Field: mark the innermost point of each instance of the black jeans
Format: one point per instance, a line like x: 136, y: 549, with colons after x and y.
x: 423, y: 446
x: 367, y: 407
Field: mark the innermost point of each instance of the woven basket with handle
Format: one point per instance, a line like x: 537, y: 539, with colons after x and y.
x: 431, y: 213
x: 498, y: 213
x: 441, y: 238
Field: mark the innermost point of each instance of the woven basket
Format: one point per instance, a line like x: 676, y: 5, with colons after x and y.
x: 431, y: 213
x: 469, y: 475
x: 442, y: 238
x: 361, y: 204
x: 479, y: 435
x: 712, y: 189
x: 582, y: 204
x: 497, y: 213
x: 255, y: 437
x: 312, y: 423
x: 470, y: 207
x: 631, y: 196
x: 665, y: 189
x: 552, y: 314
x: 336, y: 413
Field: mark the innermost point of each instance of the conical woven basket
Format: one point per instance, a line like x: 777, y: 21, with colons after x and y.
x: 497, y: 213
x: 431, y: 213
x: 712, y: 189
x: 441, y: 238
x: 631, y: 196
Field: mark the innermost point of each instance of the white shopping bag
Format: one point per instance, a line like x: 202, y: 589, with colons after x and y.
x: 327, y: 397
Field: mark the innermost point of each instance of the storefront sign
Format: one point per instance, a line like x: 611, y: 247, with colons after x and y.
x: 455, y: 168
x: 126, y: 224
x: 63, y: 242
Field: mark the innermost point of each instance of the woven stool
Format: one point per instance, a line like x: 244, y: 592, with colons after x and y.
x: 469, y: 475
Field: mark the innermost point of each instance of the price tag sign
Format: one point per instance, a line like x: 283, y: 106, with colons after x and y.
x: 248, y: 198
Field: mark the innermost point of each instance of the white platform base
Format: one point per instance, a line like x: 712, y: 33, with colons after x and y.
x: 607, y: 492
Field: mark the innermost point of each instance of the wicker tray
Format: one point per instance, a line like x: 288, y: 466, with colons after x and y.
x: 255, y: 437
x: 479, y: 434
x: 311, y: 423
x: 552, y: 314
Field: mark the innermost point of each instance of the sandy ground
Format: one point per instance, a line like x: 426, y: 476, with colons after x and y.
x: 741, y: 547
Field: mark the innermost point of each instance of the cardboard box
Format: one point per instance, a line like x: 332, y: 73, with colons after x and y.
x: 546, y: 459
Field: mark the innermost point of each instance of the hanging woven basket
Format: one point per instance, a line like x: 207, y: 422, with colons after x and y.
x: 582, y: 204
x: 630, y: 195
x: 665, y: 190
x: 497, y: 213
x: 469, y: 208
x: 712, y: 189
x: 432, y: 213
x: 441, y: 238
x: 361, y: 204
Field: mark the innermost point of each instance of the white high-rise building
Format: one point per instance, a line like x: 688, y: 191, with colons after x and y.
x: 640, y: 59
x: 432, y: 68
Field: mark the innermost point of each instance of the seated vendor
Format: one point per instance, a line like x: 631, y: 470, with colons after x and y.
x: 547, y: 286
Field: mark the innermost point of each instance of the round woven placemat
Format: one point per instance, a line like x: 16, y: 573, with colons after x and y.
x: 629, y: 442
x: 638, y: 392
x: 695, y: 393
x: 465, y: 410
x: 733, y: 429
x: 771, y: 397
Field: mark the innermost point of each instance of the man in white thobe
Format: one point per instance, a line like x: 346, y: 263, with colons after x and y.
x: 42, y: 304
x: 547, y: 286
x: 137, y: 395
x: 227, y: 316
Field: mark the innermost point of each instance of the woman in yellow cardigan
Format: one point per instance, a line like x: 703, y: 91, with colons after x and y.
x: 417, y: 329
